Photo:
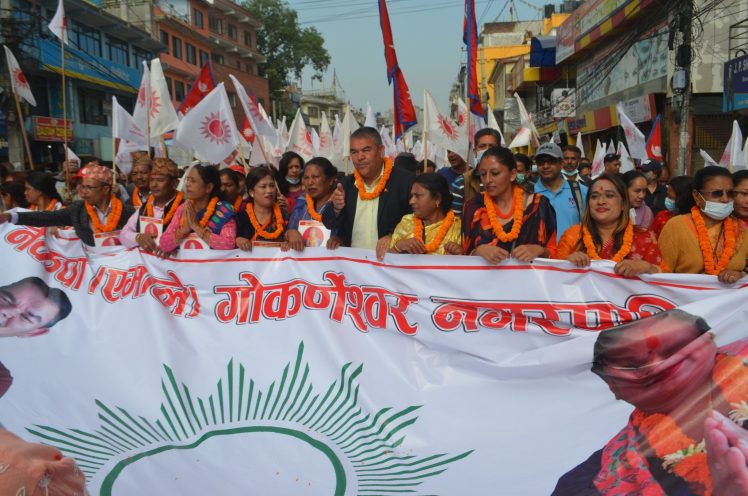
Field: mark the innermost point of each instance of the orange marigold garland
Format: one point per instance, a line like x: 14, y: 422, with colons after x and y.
x: 50, y: 207
x: 168, y: 216
x: 706, y: 245
x: 365, y: 195
x: 136, y: 201
x: 418, y: 231
x: 209, y: 211
x: 312, y: 211
x: 238, y: 204
x: 621, y: 254
x: 517, y: 212
x: 111, y: 223
x: 260, y: 230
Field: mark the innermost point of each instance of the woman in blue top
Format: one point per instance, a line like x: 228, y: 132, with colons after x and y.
x: 319, y: 183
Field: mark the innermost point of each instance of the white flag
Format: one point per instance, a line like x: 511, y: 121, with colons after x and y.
x: 389, y: 147
x: 580, y: 144
x: 526, y: 122
x: 733, y: 157
x: 708, y: 160
x: 493, y: 124
x: 124, y: 155
x: 315, y: 141
x: 635, y: 139
x: 371, y: 120
x: 350, y: 124
x: 417, y: 150
x: 209, y: 128
x: 72, y: 157
x: 336, y: 131
x: 254, y: 113
x: 626, y: 163
x: 326, y: 144
x: 441, y: 130
x: 59, y: 24
x: 522, y: 138
x: 162, y: 113
x: 611, y: 148
x: 598, y: 167
x: 124, y: 126
x: 18, y: 82
x: 300, y: 140
x: 143, y: 103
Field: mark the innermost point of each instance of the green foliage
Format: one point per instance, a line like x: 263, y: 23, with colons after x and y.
x: 287, y: 46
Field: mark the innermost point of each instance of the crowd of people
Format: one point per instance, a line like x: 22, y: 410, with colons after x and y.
x: 508, y: 206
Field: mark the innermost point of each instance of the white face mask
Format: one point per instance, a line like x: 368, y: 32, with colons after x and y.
x: 478, y: 156
x: 294, y: 181
x: 717, y: 210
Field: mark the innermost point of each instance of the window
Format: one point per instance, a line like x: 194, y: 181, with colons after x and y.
x: 232, y: 100
x: 189, y: 54
x: 178, y: 91
x: 215, y: 24
x: 168, y: 84
x: 117, y: 51
x: 197, y: 18
x: 217, y: 58
x: 176, y: 47
x: 232, y: 31
x: 87, y: 39
x: 91, y: 107
x: 313, y: 111
x: 165, y: 40
x: 139, y: 56
x: 248, y: 38
x: 204, y: 56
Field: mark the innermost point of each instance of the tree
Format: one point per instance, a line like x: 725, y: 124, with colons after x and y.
x: 287, y: 46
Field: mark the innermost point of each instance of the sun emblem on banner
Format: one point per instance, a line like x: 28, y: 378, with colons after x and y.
x: 461, y: 117
x: 202, y: 87
x: 357, y: 450
x: 447, y: 127
x: 155, y: 103
x: 141, y: 96
x: 215, y: 129
x: 20, y: 78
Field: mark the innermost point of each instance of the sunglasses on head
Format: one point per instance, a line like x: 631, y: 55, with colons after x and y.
x: 719, y: 193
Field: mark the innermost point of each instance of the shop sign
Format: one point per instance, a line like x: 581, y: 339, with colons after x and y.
x: 736, y: 84
x: 51, y: 129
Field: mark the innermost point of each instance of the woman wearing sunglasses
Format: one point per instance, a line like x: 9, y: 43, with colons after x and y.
x: 707, y: 239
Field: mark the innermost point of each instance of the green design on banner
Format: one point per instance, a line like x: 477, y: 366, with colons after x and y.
x: 368, y: 440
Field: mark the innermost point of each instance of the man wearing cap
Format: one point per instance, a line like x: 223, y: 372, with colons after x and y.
x: 68, y: 191
x: 98, y: 212
x: 566, y: 197
x: 655, y: 193
x: 612, y: 163
x: 161, y: 204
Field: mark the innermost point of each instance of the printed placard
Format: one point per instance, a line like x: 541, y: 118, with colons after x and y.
x: 194, y: 242
x: 314, y: 233
x: 107, y: 239
x: 152, y: 226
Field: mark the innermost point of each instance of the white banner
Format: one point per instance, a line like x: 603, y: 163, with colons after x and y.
x: 326, y: 372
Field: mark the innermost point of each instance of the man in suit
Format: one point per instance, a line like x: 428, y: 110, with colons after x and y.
x: 371, y: 202
x: 99, y: 211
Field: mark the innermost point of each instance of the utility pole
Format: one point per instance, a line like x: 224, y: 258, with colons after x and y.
x: 682, y: 81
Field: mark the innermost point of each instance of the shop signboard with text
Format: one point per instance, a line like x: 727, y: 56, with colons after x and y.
x: 51, y: 129
x: 736, y: 84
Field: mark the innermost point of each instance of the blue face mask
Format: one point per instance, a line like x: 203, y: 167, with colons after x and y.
x: 670, y: 205
x: 534, y: 169
x: 478, y: 156
x: 569, y: 174
x: 520, y: 178
x: 717, y: 210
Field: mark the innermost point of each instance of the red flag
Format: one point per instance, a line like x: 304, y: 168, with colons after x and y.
x: 654, y: 141
x: 203, y: 85
x: 405, y: 113
x: 247, y: 131
x: 470, y: 38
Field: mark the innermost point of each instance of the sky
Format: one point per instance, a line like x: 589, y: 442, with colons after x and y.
x: 428, y: 40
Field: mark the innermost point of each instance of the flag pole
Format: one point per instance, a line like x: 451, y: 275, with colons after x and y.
x: 425, y: 132
x: 65, y: 114
x: 23, y: 132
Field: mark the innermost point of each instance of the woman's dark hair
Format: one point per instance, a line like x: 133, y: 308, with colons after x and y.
x: 210, y: 175
x: 503, y: 155
x: 631, y: 176
x: 521, y: 157
x: 44, y: 183
x: 257, y: 174
x: 233, y: 176
x: 700, y: 179
x: 682, y: 186
x: 437, y: 185
x: 623, y: 218
x: 740, y: 176
x: 15, y: 190
x: 328, y: 169
x: 285, y: 161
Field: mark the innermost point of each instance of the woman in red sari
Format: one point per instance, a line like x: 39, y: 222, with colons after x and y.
x: 608, y: 233
x: 678, y: 189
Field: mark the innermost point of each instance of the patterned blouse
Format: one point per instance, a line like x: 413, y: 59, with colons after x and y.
x: 222, y: 228
x: 405, y: 230
x: 538, y: 226
x: 643, y: 247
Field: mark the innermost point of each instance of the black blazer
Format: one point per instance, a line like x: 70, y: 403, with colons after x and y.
x: 393, y: 205
x: 74, y: 215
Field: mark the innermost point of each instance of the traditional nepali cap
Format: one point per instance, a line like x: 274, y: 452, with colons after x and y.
x: 98, y: 172
x: 549, y: 149
x: 164, y: 167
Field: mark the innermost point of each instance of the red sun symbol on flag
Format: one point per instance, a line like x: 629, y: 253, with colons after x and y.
x: 215, y: 129
x: 202, y: 87
x: 308, y: 138
x: 155, y: 104
x: 447, y: 127
x: 248, y: 133
x: 20, y: 78
x: 141, y: 96
x: 461, y: 119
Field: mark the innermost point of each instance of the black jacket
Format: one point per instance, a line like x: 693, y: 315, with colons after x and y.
x: 73, y: 215
x: 393, y: 205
